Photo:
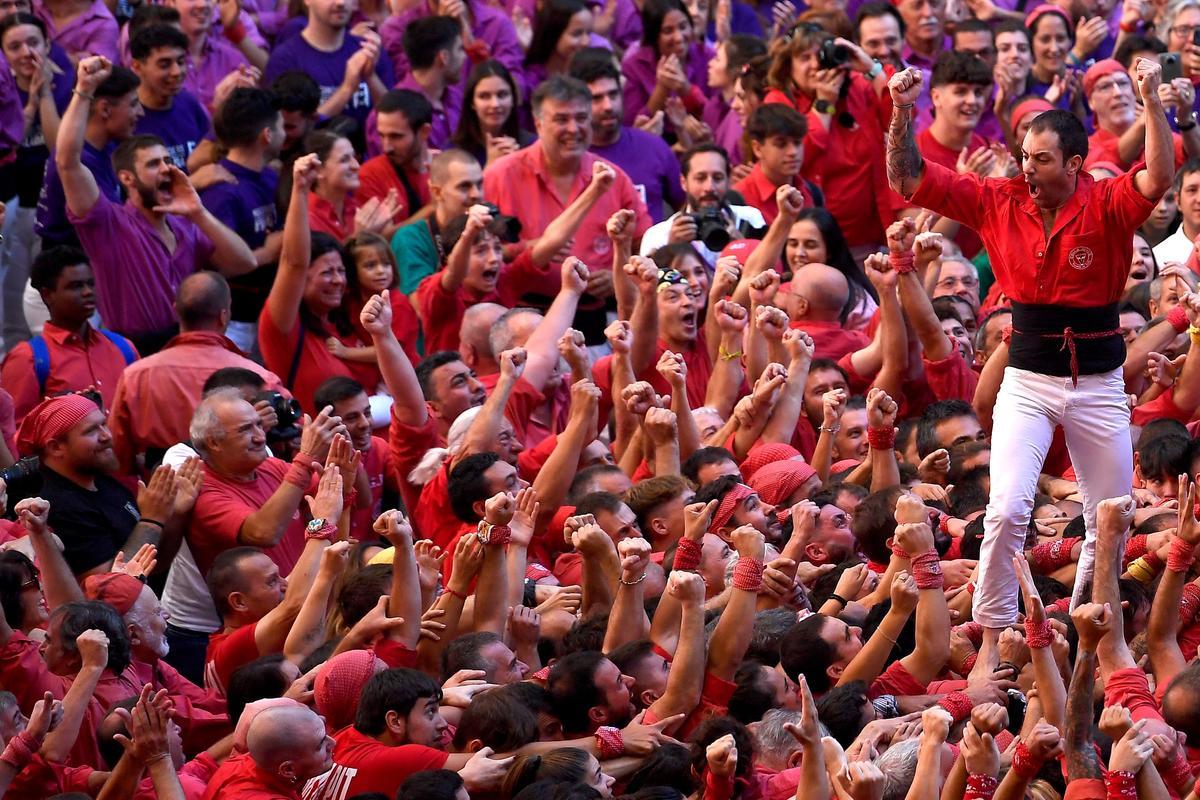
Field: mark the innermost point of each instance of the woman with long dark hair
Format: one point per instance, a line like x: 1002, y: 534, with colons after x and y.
x: 560, y: 30
x: 672, y: 60
x: 488, y: 126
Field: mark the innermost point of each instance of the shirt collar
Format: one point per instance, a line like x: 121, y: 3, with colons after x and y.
x: 61, y: 336
x: 205, y: 339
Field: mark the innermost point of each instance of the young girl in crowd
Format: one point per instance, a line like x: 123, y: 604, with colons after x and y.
x: 560, y: 30
x: 723, y: 70
x: 371, y: 270
x: 489, y: 126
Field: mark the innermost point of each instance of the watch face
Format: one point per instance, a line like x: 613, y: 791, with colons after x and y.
x: 316, y: 524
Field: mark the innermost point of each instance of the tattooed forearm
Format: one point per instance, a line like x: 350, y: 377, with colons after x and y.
x: 1082, y: 761
x: 904, y: 162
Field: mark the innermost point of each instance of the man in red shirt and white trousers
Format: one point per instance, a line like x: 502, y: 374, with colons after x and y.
x: 1060, y: 244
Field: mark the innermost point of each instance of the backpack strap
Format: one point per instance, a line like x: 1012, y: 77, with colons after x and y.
x: 41, y: 362
x: 122, y: 344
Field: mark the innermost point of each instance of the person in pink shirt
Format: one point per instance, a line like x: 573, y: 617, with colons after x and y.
x: 141, y: 415
x: 671, y: 61
x: 81, y: 27
x: 537, y: 183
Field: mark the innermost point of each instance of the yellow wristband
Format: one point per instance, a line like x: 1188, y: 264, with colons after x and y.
x: 726, y: 355
x: 1194, y: 334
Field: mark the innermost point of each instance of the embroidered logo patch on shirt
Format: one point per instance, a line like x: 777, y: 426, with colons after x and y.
x: 1080, y: 257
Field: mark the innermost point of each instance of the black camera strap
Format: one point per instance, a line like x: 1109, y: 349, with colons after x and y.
x: 295, y: 366
x: 410, y: 192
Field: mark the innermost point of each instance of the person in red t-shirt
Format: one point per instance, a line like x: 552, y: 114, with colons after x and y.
x: 776, y: 133
x: 1120, y: 132
x: 288, y: 746
x: 403, y: 121
x: 1066, y: 341
x: 351, y: 405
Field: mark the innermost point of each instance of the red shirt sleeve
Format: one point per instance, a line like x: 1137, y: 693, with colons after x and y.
x: 216, y: 522
x: 896, y: 680
x: 951, y: 378
x: 1160, y: 407
x: 960, y: 197
x: 227, y: 652
x: 20, y: 380
x: 440, y: 313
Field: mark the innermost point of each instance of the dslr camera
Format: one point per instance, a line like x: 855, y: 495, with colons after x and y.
x: 712, y: 228
x: 832, y: 55
x: 507, y: 229
x: 288, y: 414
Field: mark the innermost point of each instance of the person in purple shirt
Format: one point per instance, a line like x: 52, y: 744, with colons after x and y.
x: 646, y: 158
x: 671, y: 61
x: 732, y: 55
x: 173, y: 114
x: 490, y: 33
x: 44, y: 90
x: 81, y: 27
x: 214, y: 50
x: 141, y: 250
x: 353, y: 72
x: 489, y: 126
x: 250, y: 130
x: 560, y: 30
x: 435, y: 50
x: 113, y: 116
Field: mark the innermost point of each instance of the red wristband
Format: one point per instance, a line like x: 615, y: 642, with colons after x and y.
x: 453, y: 593
x: 609, y: 742
x: 20, y: 750
x: 898, y: 551
x: 1024, y: 763
x: 980, y: 787
x: 687, y: 555
x: 1121, y: 785
x: 1180, y: 556
x: 1178, y: 318
x: 881, y: 438
x: 747, y: 574
x: 969, y: 663
x: 1136, y: 547
x: 299, y: 475
x: 1178, y: 774
x: 1038, y: 635
x: 958, y: 704
x: 1006, y: 334
x: 328, y: 532
x: 1127, y: 28
x: 902, y: 262
x: 498, y: 534
x: 926, y: 569
x: 1047, y: 557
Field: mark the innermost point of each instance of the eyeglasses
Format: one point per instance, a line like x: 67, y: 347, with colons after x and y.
x: 1183, y: 31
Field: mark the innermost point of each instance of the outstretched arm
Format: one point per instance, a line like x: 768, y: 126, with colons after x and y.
x: 398, y: 373
x: 79, y: 185
x: 287, y: 292
x: 905, y: 167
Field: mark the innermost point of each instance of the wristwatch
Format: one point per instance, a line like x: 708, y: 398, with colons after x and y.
x: 875, y: 70
x: 822, y: 106
x: 320, y: 528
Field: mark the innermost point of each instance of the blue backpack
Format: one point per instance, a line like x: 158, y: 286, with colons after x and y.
x: 41, y: 355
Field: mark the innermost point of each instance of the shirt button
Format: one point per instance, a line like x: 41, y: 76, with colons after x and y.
x: 1039, y: 253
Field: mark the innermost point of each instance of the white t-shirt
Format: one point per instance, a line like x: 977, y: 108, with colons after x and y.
x: 658, y: 235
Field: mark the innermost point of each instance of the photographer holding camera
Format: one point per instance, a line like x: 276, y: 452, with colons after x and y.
x: 707, y: 220
x: 841, y: 90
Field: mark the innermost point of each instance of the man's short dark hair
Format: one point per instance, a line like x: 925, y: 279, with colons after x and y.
x: 956, y: 66
x: 124, y: 158
x: 704, y: 457
x: 415, y: 107
x: 50, y: 264
x: 1192, y: 165
x: 972, y: 25
x: 935, y: 414
x: 357, y: 597
x: 873, y: 10
x: 804, y: 652
x: 581, y: 484
x: 1072, y: 138
x: 500, y: 718
x: 428, y: 365
x: 79, y: 616
x: 424, y: 38
x: 841, y: 711
x: 121, y: 82
x: 431, y: 784
x: 647, y: 495
x: 233, y: 378
x: 1164, y: 457
x: 468, y: 485
x: 970, y: 492
x: 776, y: 119
x: 464, y: 652
x: 875, y: 522
x: 297, y: 91
x: 573, y: 685
x: 595, y: 502
x: 225, y: 576
x: 593, y: 64
x: 716, y: 489
x: 563, y: 89
x: 156, y: 37
x: 1134, y: 43
x: 398, y: 690
x: 336, y: 390
x: 685, y: 161
x: 240, y: 120
x: 1012, y: 26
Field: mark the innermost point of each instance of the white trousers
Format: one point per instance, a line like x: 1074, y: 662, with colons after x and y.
x: 1095, y: 419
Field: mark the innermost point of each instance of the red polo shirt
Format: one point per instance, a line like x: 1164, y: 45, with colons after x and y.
x: 759, y: 192
x: 848, y: 163
x: 228, y: 650
x: 377, y: 177
x: 1084, y: 261
x: 323, y: 218
x: 1103, y: 146
x: 520, y: 185
x: 240, y: 777
x: 75, y: 363
x: 362, y: 764
x: 933, y: 150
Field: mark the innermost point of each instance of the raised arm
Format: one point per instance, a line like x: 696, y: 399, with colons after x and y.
x: 1166, y: 657
x: 491, y: 592
x: 307, y: 632
x: 644, y: 320
x: 542, y: 345
x: 627, y: 622
x: 686, y: 676
x: 467, y: 560
x: 93, y: 651
x: 563, y: 227
x: 79, y: 185
x: 905, y: 167
x: 287, y: 292
x: 554, y: 478
x: 870, y: 661
x: 485, y: 428
x: 1156, y: 178
x: 901, y: 236
x: 405, y: 599
x: 398, y: 373
x: 457, y: 262
x: 881, y: 421
x: 736, y: 625
x: 1039, y: 636
x: 933, y: 616
x: 58, y: 582
x: 790, y: 405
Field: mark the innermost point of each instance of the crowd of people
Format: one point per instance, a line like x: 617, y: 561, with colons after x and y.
x: 569, y: 399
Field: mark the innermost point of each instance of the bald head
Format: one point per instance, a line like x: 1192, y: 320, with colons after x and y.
x: 286, y: 740
x: 825, y: 289
x: 203, y: 302
x: 513, y: 329
x: 473, y: 336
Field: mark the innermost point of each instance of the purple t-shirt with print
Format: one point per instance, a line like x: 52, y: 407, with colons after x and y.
x: 181, y: 127
x: 328, y: 69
